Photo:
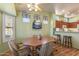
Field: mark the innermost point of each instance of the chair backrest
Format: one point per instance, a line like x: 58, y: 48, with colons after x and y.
x: 16, y: 44
x: 13, y: 48
x: 46, y: 49
x: 43, y: 50
x: 49, y: 49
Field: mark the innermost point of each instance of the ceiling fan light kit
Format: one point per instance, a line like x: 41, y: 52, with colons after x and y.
x: 33, y: 6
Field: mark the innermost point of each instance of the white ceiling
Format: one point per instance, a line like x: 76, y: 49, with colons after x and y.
x: 48, y: 7
x: 52, y: 7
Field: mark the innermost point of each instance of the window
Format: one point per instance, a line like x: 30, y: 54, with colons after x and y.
x: 8, y: 27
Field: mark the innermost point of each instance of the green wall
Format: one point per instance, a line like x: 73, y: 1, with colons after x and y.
x: 24, y: 30
x: 0, y: 27
x: 74, y: 19
x: 52, y: 25
x: 8, y: 8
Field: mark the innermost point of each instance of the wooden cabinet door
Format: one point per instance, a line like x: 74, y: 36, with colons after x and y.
x: 59, y: 24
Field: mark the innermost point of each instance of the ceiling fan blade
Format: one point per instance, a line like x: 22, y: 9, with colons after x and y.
x: 38, y: 8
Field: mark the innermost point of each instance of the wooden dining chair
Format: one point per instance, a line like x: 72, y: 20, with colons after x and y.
x: 46, y: 49
x: 50, y: 49
x: 42, y: 50
x: 15, y: 51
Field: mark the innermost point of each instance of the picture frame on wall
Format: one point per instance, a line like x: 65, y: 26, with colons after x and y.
x: 26, y: 17
x: 37, y: 17
x: 37, y: 24
x: 45, y: 19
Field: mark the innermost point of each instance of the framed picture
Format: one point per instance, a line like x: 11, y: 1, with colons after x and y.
x: 45, y: 19
x: 37, y: 24
x: 26, y: 17
x: 37, y: 17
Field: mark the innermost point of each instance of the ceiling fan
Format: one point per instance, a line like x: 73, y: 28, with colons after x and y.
x: 33, y: 7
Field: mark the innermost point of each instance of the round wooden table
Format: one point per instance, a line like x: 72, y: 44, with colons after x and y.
x: 34, y: 42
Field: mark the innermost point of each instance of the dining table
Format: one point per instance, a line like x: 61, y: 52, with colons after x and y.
x: 34, y: 42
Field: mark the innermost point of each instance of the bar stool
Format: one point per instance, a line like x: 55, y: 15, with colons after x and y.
x: 67, y: 41
x: 58, y: 39
x: 70, y: 41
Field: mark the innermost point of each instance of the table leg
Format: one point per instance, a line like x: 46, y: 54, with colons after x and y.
x: 34, y: 51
